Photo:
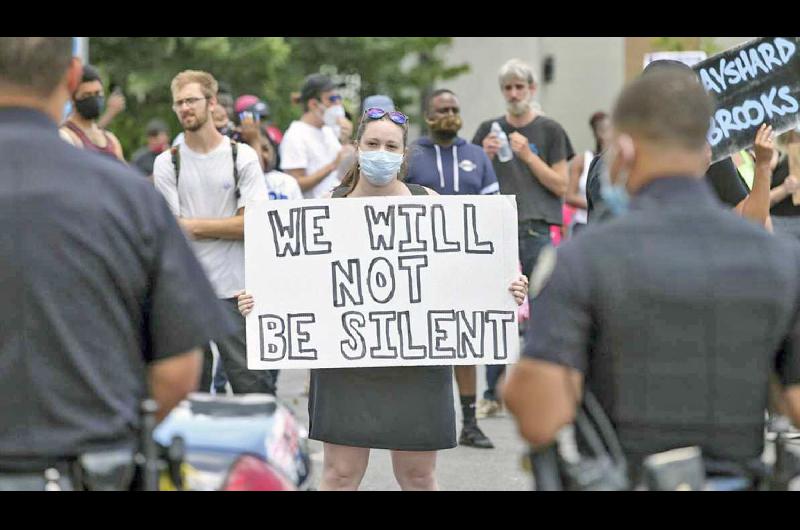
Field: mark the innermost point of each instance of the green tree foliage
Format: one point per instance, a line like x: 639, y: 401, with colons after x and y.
x: 270, y: 67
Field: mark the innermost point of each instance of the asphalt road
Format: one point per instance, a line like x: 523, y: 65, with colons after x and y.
x: 458, y: 469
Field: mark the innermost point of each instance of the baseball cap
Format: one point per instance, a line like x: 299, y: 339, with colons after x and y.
x: 314, y: 85
x: 156, y: 126
x: 252, y: 103
x: 379, y: 102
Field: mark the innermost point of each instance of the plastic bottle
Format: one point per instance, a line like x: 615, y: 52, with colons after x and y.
x: 504, y: 154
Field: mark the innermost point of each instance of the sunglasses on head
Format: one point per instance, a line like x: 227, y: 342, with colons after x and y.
x: 375, y: 113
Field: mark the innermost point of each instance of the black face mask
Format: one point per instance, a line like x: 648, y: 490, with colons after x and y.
x: 91, y: 107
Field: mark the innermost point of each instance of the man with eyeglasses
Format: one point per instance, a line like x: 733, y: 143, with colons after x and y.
x: 310, y: 150
x: 81, y: 128
x: 206, y: 180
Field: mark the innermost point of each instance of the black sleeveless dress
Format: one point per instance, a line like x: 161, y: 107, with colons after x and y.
x: 405, y: 408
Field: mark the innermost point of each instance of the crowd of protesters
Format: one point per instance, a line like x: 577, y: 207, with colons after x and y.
x: 611, y: 293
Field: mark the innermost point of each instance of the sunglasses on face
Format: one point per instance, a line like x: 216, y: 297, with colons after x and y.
x: 334, y: 98
x: 375, y: 113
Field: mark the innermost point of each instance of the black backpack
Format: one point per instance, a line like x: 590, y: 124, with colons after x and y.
x: 176, y: 164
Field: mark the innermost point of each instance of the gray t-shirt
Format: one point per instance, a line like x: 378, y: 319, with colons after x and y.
x: 207, y: 191
x: 549, y: 141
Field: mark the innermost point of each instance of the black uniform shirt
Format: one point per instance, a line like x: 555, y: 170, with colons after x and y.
x: 675, y: 312
x: 97, y: 280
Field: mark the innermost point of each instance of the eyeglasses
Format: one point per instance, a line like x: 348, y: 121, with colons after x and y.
x: 334, y: 98
x: 396, y: 116
x: 189, y: 101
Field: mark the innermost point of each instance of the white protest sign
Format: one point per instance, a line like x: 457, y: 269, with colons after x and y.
x: 689, y: 58
x: 381, y: 281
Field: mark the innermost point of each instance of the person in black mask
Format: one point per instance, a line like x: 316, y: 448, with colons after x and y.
x: 453, y: 166
x: 81, y: 128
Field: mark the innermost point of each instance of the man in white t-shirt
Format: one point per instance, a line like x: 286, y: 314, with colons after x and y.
x: 198, y: 181
x: 310, y: 150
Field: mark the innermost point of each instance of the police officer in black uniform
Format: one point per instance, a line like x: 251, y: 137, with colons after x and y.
x: 673, y: 314
x: 103, y: 303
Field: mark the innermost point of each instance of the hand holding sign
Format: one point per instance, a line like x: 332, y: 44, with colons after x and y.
x: 764, y: 145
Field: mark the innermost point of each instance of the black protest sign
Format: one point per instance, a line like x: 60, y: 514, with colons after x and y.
x: 384, y: 281
x: 754, y: 83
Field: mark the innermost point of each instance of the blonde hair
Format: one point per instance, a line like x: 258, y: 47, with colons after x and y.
x: 208, y: 85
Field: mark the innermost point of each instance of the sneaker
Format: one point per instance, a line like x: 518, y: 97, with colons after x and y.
x: 489, y: 408
x: 472, y: 436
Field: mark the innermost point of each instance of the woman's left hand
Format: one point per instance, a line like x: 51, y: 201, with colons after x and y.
x: 519, y: 288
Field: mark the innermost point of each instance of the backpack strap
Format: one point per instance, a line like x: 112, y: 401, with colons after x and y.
x: 176, y: 164
x: 340, y: 192
x: 416, y: 189
x: 234, y: 152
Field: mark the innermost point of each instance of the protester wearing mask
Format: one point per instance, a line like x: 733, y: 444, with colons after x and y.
x: 310, y: 150
x: 451, y: 165
x: 675, y: 314
x: 157, y: 142
x: 407, y: 409
x: 81, y: 128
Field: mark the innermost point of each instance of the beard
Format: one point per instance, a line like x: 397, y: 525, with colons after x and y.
x: 194, y: 122
x: 446, y: 127
x: 518, y: 108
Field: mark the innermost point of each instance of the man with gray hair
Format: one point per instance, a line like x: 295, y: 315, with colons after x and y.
x: 537, y: 174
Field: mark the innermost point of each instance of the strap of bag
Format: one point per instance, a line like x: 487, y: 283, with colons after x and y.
x: 176, y: 165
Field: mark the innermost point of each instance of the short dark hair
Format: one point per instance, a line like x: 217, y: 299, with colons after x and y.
x: 35, y: 63
x: 436, y: 93
x: 668, y: 105
x: 90, y: 74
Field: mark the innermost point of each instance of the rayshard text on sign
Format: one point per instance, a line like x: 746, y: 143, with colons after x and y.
x: 757, y: 82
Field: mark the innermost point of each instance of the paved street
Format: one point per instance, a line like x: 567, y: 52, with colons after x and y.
x: 458, y: 469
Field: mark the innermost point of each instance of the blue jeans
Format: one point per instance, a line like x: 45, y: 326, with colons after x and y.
x: 533, y: 237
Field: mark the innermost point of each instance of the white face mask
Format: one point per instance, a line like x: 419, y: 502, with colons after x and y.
x: 332, y: 115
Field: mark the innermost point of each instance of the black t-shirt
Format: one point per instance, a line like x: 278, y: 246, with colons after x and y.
x: 727, y: 182
x: 98, y: 281
x: 143, y: 159
x: 786, y: 207
x: 550, y: 142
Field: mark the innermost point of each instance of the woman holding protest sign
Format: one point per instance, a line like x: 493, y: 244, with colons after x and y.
x: 407, y: 409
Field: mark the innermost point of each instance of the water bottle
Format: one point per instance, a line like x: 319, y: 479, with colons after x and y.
x: 504, y: 154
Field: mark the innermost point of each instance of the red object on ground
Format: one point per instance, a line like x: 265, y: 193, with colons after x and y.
x: 250, y: 473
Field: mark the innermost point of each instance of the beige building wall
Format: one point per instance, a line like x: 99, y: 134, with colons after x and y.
x: 588, y: 72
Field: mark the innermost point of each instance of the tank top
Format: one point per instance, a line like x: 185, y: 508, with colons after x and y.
x: 581, y: 214
x: 91, y: 146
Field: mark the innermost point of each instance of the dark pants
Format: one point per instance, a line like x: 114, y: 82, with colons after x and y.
x: 233, y: 354
x: 533, y: 237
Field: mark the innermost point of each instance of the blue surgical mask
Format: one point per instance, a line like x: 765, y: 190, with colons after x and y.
x: 379, y: 167
x: 615, y: 196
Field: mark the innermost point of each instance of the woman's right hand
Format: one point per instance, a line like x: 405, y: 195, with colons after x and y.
x: 246, y: 302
